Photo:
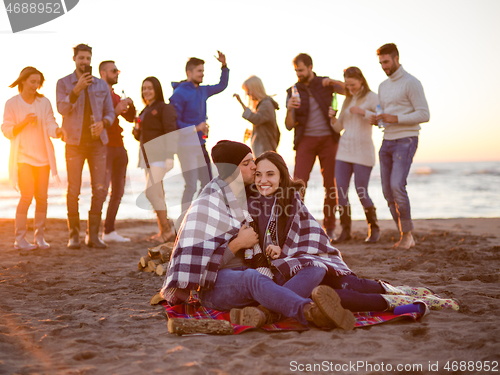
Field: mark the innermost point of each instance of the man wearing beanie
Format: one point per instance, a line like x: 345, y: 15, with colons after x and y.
x: 218, y: 253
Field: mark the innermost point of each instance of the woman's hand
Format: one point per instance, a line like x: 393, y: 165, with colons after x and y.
x: 59, y: 132
x: 30, y: 118
x: 237, y: 96
x: 357, y: 111
x: 273, y: 251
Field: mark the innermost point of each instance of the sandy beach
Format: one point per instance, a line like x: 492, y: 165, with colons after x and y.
x: 87, y: 311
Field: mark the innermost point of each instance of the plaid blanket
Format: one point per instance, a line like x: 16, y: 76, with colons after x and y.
x: 211, y: 222
x: 193, y: 310
x: 307, y: 244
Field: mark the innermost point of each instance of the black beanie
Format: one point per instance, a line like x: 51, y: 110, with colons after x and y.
x: 227, y: 155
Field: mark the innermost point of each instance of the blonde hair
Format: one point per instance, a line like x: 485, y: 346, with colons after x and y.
x: 254, y: 85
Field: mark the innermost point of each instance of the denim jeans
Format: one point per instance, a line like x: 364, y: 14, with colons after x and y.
x: 343, y: 173
x: 396, y: 157
x: 240, y: 287
x: 195, y: 165
x: 357, y: 294
x: 33, y: 182
x: 95, y: 154
x: 325, y: 148
x: 116, y: 173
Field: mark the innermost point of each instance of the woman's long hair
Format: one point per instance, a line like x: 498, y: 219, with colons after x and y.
x: 24, y: 75
x: 287, y: 186
x: 254, y: 85
x: 356, y: 73
x: 156, y: 86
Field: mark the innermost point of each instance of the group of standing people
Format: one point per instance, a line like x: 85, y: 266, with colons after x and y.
x: 317, y: 134
x: 91, y: 130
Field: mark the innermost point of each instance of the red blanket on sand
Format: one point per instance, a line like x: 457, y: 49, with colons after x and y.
x: 196, y: 311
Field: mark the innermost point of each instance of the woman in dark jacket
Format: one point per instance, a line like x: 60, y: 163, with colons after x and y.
x: 158, y: 142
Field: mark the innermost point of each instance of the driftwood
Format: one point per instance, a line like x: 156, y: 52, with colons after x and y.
x: 207, y: 326
x: 163, y: 252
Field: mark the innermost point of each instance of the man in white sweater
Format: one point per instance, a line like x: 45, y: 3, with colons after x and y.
x: 403, y: 101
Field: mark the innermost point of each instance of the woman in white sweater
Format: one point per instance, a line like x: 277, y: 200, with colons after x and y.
x: 28, y: 121
x: 356, y: 153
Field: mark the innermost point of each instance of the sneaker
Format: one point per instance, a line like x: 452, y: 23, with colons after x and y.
x: 114, y: 237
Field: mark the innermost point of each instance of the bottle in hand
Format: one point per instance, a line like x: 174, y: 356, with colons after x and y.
x: 295, y: 93
x: 379, y: 111
x: 334, y: 103
x: 92, y: 127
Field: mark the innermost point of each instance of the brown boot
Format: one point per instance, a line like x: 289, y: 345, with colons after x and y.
x: 327, y: 311
x: 253, y: 316
x: 166, y: 233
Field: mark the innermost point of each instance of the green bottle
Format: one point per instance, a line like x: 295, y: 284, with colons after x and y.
x: 334, y: 101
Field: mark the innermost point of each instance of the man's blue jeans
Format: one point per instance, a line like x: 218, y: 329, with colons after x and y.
x: 396, y: 157
x: 95, y: 154
x: 240, y: 287
x: 116, y: 173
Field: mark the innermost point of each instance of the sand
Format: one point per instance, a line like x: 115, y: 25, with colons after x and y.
x: 87, y: 311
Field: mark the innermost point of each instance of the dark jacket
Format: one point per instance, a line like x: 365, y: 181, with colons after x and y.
x: 157, y: 120
x: 322, y: 95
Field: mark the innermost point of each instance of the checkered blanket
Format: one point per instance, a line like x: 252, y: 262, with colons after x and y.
x: 194, y: 310
x: 307, y: 244
x: 211, y: 222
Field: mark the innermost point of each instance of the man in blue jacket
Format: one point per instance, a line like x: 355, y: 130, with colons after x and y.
x: 190, y: 101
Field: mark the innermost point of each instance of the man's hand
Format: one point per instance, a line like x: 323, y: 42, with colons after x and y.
x: 293, y: 103
x: 221, y: 58
x: 245, y: 239
x: 273, y: 251
x: 84, y: 82
x: 202, y: 127
x: 96, y: 128
x: 121, y: 107
x: 331, y: 82
x: 59, y: 133
x: 169, y: 164
x: 387, y: 118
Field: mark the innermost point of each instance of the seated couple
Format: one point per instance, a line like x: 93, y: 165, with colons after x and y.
x: 248, y: 244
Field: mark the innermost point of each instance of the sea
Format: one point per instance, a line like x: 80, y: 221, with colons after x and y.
x: 436, y: 190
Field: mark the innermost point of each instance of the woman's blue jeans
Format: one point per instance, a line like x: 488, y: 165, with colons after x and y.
x: 343, y: 173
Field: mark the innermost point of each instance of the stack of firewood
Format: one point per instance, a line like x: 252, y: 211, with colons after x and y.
x: 157, y: 259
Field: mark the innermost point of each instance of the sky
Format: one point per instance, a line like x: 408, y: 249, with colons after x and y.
x: 450, y: 46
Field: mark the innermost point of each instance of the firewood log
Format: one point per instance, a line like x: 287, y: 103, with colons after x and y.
x: 207, y: 326
x: 156, y: 299
x: 161, y: 269
x: 144, y: 261
x: 153, y: 263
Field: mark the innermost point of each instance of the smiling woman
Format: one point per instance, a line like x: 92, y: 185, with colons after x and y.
x: 28, y: 121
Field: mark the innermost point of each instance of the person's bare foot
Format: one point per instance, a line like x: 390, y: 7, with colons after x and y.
x: 405, y: 242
